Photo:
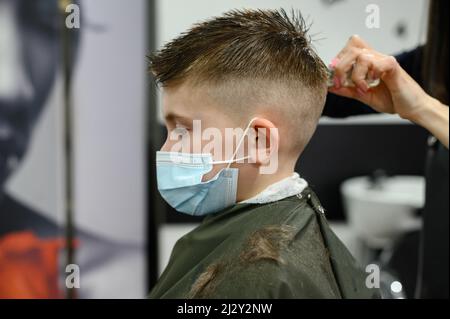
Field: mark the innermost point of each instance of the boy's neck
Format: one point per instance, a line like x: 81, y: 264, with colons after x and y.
x: 251, y: 187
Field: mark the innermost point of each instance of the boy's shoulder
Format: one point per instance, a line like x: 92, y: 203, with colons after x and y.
x: 284, y: 249
x: 274, y: 261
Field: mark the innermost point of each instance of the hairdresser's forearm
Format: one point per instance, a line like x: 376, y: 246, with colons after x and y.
x: 433, y: 116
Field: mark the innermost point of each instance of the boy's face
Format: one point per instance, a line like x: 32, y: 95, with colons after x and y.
x: 198, y: 123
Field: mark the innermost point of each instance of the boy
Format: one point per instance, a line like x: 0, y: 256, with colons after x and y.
x: 265, y: 234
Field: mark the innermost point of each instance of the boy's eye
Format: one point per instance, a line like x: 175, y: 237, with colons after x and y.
x: 180, y: 129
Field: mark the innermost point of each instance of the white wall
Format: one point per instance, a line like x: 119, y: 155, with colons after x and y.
x: 334, y: 24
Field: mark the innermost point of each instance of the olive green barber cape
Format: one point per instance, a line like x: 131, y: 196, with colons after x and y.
x: 283, y: 249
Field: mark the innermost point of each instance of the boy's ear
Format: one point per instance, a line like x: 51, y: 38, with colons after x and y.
x: 266, y: 141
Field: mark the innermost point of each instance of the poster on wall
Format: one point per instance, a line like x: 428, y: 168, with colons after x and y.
x: 108, y: 149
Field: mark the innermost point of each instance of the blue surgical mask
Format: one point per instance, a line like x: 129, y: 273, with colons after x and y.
x: 179, y: 177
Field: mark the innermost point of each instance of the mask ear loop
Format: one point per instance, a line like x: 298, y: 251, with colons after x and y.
x: 232, y: 160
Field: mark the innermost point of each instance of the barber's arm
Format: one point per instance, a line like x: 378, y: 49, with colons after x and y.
x: 398, y: 92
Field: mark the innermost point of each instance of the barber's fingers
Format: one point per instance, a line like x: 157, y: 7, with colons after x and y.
x: 364, y: 64
x: 345, y: 64
x: 385, y: 67
x: 372, y: 65
x: 375, y: 66
x: 355, y: 41
x: 345, y: 59
x: 362, y: 70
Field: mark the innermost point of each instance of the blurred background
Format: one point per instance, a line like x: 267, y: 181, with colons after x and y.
x: 86, y: 155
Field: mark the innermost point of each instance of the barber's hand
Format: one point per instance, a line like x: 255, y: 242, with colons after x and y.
x: 397, y: 93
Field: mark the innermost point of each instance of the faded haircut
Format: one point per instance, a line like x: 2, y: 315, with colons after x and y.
x: 251, y: 60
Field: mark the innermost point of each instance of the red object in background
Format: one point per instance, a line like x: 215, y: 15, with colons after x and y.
x: 29, y: 266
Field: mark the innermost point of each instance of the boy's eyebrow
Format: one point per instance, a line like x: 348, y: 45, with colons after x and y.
x: 176, y: 117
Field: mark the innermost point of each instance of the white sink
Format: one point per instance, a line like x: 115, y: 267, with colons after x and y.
x: 380, y: 214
